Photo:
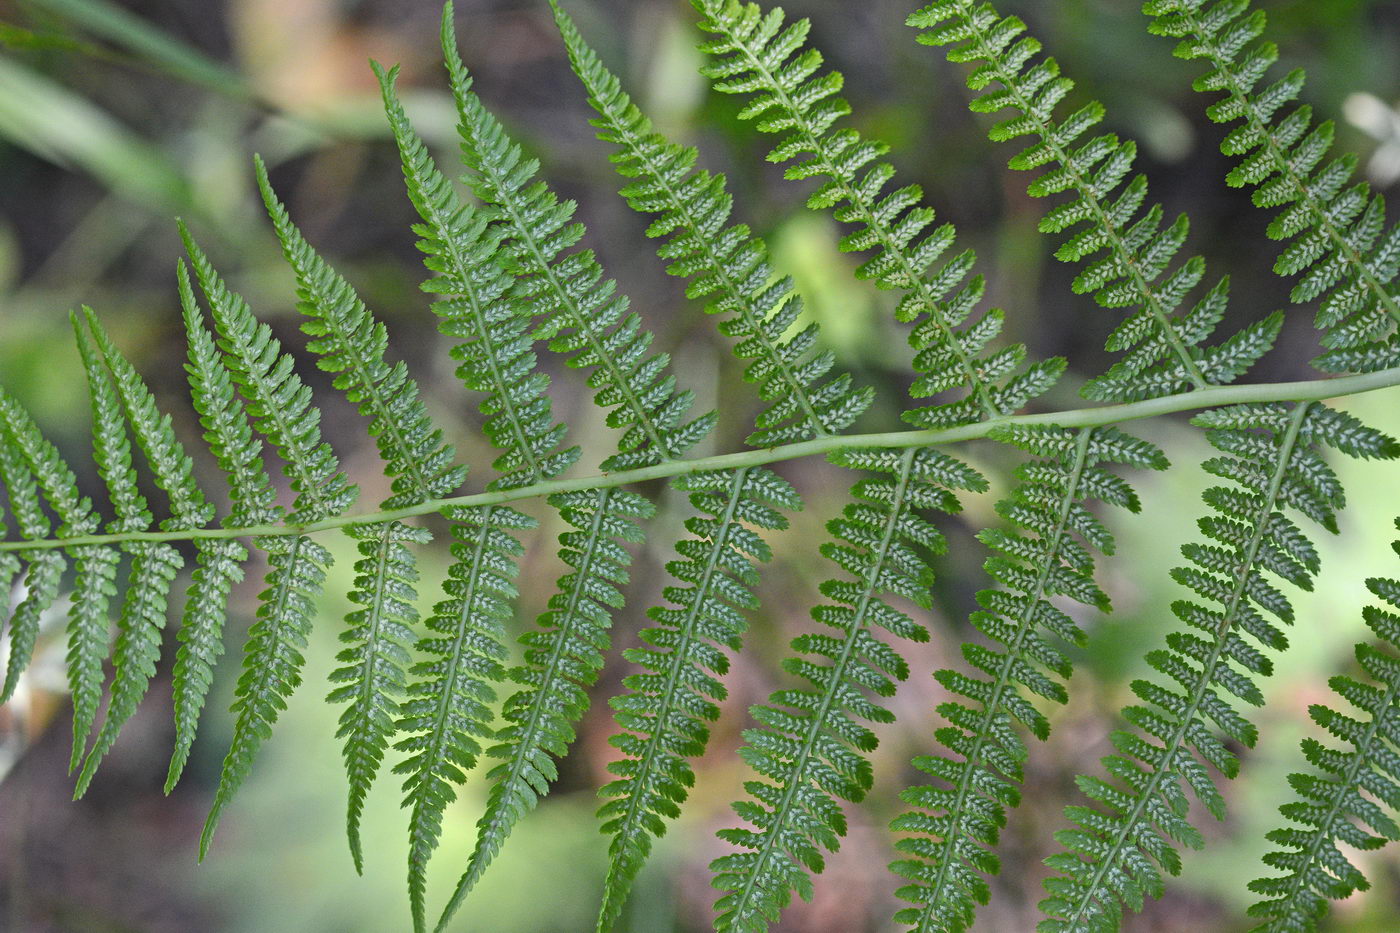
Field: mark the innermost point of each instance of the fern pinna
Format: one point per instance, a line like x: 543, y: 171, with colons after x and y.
x: 1330, y: 809
x: 510, y: 284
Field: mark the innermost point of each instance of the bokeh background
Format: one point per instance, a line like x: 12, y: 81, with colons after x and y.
x: 116, y: 117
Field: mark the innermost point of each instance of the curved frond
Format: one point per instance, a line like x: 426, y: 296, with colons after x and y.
x: 725, y: 264
x: 1335, y: 229
x: 1118, y: 851
x: 760, y: 55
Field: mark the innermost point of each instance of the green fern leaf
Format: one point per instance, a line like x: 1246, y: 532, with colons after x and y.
x: 448, y: 710
x: 692, y: 208
x: 1119, y: 850
x: 239, y: 456
x: 153, y: 566
x: 279, y: 404
x: 1335, y: 230
x: 352, y: 345
x: 758, y: 55
x: 807, y: 748
x: 95, y: 567
x: 579, y: 311
x: 1338, y: 807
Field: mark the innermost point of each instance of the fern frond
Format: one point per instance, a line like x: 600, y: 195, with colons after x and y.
x: 239, y: 456
x: 578, y: 310
x: 807, y: 749
x: 420, y: 465
x: 95, y: 565
x: 757, y: 54
x: 1128, y: 254
x: 1334, y: 228
x: 1338, y: 807
x: 725, y: 263
x: 1119, y: 849
x: 280, y: 406
x: 1047, y: 554
x: 448, y: 711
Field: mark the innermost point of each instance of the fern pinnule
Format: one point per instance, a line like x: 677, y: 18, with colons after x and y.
x: 1340, y: 806
x: 756, y: 54
x: 476, y: 306
x: 725, y: 264
x: 1127, y: 254
x: 1334, y: 228
x: 447, y: 713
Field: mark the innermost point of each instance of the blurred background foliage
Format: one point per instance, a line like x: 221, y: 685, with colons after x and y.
x: 114, y: 117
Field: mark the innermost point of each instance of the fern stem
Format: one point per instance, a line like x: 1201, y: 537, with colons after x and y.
x: 1284, y: 166
x: 1090, y: 194
x: 856, y: 195
x: 1024, y: 627
x: 1313, y: 390
x: 1108, y: 858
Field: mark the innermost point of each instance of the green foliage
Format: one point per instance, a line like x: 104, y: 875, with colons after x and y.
x: 510, y: 282
x: 1341, y: 806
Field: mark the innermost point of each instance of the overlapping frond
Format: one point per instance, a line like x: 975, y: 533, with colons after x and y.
x: 1128, y: 252
x: 725, y: 264
x: 279, y: 404
x: 1119, y: 849
x: 761, y: 56
x: 1335, y: 229
x: 1047, y: 553
x: 1340, y: 803
x: 807, y: 748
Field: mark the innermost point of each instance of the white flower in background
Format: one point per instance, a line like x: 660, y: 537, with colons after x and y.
x: 1380, y: 120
